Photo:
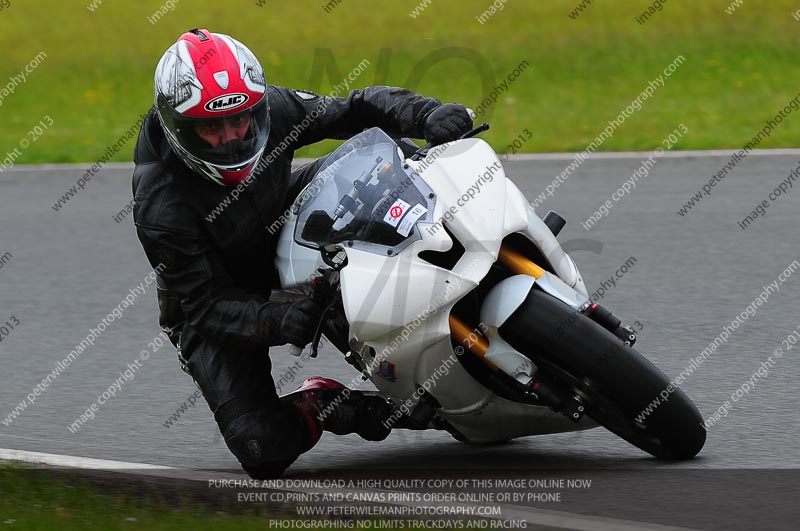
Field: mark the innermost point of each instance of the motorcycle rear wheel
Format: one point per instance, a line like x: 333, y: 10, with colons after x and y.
x: 615, y: 382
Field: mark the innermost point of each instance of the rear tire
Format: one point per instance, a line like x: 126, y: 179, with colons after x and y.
x: 615, y: 381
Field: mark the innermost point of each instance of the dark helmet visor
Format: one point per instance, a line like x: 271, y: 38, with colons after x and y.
x: 229, y: 142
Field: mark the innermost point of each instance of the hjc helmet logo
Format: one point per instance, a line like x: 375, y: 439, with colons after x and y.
x: 227, y: 102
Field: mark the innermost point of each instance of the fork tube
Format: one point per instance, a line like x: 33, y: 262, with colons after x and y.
x: 470, y: 339
x: 518, y: 263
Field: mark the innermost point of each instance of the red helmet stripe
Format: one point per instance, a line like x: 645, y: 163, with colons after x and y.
x: 216, y: 56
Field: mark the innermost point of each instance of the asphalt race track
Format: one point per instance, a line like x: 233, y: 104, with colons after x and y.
x: 692, y: 275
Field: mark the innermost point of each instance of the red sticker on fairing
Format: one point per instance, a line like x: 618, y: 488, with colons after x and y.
x: 396, y: 212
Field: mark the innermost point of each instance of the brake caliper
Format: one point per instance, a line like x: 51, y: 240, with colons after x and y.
x: 610, y: 322
x: 570, y: 404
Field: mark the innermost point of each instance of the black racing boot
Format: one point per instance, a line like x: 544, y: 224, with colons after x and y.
x: 335, y: 408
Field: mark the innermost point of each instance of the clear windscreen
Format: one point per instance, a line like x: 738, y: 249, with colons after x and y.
x: 365, y: 196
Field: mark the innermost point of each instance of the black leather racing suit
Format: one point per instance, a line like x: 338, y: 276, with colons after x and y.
x: 216, y: 258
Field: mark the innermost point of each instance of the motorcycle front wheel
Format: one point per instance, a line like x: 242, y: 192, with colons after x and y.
x: 618, y: 387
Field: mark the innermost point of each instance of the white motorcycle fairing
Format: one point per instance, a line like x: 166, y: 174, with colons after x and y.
x: 399, y: 304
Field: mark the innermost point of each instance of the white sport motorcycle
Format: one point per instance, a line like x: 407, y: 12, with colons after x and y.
x: 456, y: 300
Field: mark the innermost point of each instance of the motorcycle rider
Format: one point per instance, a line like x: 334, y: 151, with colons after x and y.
x: 213, y: 171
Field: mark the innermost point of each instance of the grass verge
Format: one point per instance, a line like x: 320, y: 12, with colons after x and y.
x: 68, y: 500
x: 740, y: 69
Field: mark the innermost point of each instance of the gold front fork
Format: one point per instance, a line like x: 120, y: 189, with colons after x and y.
x: 473, y: 339
x: 518, y: 263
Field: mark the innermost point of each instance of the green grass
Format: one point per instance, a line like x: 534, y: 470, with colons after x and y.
x: 740, y: 69
x: 41, y: 501
x: 37, y: 500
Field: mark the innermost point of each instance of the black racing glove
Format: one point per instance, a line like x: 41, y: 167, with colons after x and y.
x: 300, y: 321
x: 447, y: 122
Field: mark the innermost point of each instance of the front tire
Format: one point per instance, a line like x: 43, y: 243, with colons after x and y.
x: 616, y: 382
